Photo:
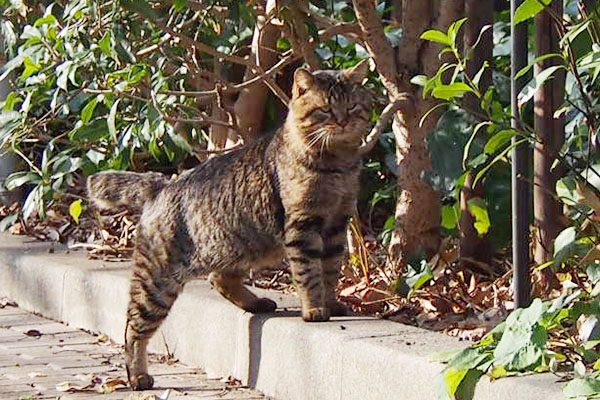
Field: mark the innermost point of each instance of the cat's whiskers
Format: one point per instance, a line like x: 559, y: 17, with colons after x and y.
x: 315, y: 136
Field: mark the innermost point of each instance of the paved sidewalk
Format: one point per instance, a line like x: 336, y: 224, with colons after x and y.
x: 43, y: 359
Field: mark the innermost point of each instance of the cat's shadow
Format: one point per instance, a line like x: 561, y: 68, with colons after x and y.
x: 256, y: 326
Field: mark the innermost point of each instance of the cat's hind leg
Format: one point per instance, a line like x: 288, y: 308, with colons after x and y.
x: 229, y: 283
x: 152, y: 294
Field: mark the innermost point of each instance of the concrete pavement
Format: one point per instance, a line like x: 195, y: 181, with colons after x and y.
x: 43, y: 359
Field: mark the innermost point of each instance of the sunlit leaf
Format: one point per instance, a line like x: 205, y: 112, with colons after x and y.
x: 563, y: 243
x: 75, y: 210
x: 529, y: 9
x: 434, y: 35
x: 447, y: 92
x: 88, y: 111
x: 536, y: 83
x: 523, y: 341
x: 582, y: 388
x: 478, y: 209
x: 111, y: 121
x: 499, y: 140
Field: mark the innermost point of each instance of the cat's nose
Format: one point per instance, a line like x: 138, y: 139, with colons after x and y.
x: 342, y: 119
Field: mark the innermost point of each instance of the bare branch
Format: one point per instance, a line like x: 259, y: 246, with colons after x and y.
x: 299, y: 36
x: 205, y: 120
x: 352, y: 31
x: 384, y: 119
x: 203, y: 47
x: 377, y: 44
x: 288, y: 58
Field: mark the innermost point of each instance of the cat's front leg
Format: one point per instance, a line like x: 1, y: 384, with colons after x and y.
x: 304, y: 248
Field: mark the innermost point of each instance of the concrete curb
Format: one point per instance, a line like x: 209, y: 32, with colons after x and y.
x: 347, y: 358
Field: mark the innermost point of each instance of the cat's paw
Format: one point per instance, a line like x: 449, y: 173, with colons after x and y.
x: 262, y: 305
x: 316, y: 314
x: 141, y: 382
x: 338, y: 309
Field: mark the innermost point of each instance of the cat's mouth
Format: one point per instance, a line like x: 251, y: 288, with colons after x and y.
x: 334, y: 137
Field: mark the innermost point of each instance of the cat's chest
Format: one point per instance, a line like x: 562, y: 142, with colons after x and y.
x: 322, y: 190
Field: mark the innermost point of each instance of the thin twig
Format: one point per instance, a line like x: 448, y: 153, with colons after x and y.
x: 386, y: 116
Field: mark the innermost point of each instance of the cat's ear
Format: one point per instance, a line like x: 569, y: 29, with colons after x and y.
x: 303, y: 80
x: 357, y: 73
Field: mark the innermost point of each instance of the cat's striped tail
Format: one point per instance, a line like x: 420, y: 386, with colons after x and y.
x: 111, y: 189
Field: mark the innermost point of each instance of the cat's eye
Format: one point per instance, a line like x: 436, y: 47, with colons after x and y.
x: 355, y: 108
x: 325, y: 109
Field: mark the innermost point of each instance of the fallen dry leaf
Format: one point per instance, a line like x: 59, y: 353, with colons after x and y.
x: 33, y: 333
x: 142, y: 396
x: 5, y: 301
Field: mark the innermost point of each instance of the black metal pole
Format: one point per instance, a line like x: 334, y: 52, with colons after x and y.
x: 520, y: 163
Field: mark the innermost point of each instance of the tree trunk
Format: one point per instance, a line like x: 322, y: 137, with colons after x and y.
x: 476, y: 251
x: 251, y: 103
x: 550, y: 137
x: 418, y: 208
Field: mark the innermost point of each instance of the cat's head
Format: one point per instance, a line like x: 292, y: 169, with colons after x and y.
x: 330, y: 110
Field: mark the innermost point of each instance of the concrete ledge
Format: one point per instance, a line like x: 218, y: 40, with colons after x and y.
x: 347, y: 358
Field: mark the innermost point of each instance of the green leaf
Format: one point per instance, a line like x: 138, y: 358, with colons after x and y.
x: 582, y: 387
x: 180, y: 5
x: 283, y: 44
x: 416, y: 281
x: 467, y: 150
x: 7, y: 117
x: 574, y: 31
x: 141, y: 7
x: 529, y: 9
x: 112, y: 128
x: 496, y: 159
x: 453, y: 378
x: 433, y: 35
x: 447, y: 92
x: 91, y: 132
x: 449, y: 217
x: 523, y: 341
x: 419, y: 80
x: 21, y: 178
x: 537, y: 82
x: 464, y: 368
x: 8, y: 221
x: 246, y: 15
x: 498, y: 372
x: 566, y: 189
x: 478, y: 209
x: 106, y: 45
x: 563, y: 244
x: 539, y: 59
x: 454, y: 29
x: 12, y: 100
x: 88, y: 111
x: 30, y: 68
x: 75, y: 210
x: 499, y: 140
x: 48, y: 19
x: 17, y: 61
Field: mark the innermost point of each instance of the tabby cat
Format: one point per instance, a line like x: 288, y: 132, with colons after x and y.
x: 289, y: 194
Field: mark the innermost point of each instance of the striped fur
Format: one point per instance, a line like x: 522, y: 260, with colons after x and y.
x: 284, y: 195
